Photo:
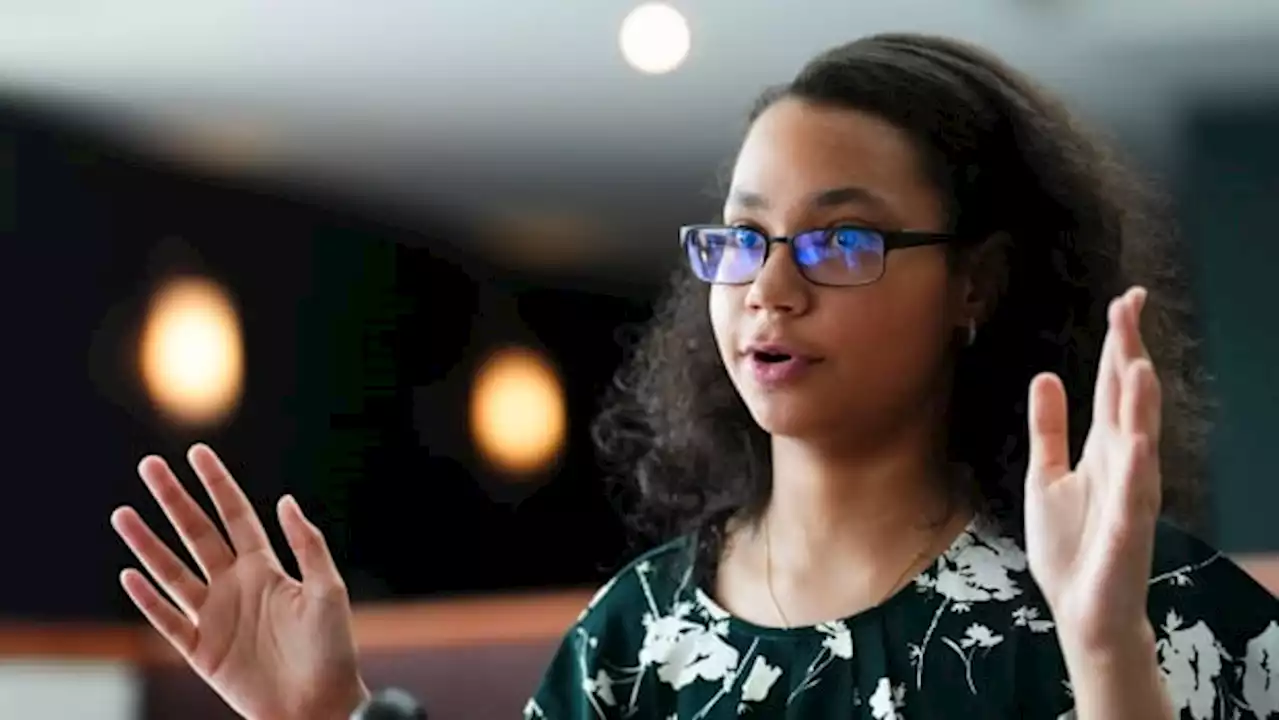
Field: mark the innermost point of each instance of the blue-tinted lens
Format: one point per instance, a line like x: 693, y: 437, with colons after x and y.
x: 840, y: 256
x: 725, y: 255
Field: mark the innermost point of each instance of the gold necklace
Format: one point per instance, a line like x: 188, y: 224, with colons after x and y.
x: 768, y: 570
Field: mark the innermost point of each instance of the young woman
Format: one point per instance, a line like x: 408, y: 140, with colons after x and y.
x: 899, y: 425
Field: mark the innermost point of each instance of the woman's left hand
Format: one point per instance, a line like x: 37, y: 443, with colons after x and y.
x: 1091, y: 529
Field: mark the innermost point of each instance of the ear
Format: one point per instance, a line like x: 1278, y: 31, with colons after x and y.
x: 985, y: 275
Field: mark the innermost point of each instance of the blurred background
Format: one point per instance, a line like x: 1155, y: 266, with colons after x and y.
x: 386, y: 258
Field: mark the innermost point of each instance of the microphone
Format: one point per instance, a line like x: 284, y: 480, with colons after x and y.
x: 390, y: 704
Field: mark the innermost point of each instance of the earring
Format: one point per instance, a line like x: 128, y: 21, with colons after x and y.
x: 973, y: 331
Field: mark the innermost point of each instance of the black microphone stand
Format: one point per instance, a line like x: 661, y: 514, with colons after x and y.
x: 390, y: 704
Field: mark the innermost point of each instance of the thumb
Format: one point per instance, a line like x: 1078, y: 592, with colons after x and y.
x: 315, y: 563
x: 1050, y: 453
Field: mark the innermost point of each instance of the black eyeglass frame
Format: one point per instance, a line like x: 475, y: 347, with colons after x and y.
x: 891, y: 239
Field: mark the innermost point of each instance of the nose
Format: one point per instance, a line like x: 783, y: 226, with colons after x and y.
x: 779, y: 287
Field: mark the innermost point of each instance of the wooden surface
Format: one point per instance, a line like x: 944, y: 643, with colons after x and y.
x: 1264, y: 568
x: 74, y: 641
x: 455, y: 622
x: 450, y: 623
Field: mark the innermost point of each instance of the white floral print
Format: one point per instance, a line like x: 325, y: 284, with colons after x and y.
x: 1191, y: 660
x: 1029, y: 618
x: 977, y: 637
x: 1258, y: 684
x: 981, y: 566
x: 838, y: 640
x: 977, y: 600
x: 977, y: 568
x: 887, y: 700
x: 836, y: 643
x: 759, y: 681
x: 685, y: 651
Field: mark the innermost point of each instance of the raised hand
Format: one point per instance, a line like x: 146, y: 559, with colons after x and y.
x: 1091, y: 528
x: 271, y: 646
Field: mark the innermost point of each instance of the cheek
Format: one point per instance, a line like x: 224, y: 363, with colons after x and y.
x: 898, y: 332
x: 725, y: 306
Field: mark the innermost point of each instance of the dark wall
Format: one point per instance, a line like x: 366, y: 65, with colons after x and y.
x: 361, y: 337
x: 1227, y: 201
x: 360, y: 345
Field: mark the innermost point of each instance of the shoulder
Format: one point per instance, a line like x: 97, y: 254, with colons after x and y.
x: 631, y: 592
x: 600, y: 652
x: 1188, y: 573
x: 1215, y: 627
x: 1216, y: 631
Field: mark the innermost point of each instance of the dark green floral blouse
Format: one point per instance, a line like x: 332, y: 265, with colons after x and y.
x: 971, y: 637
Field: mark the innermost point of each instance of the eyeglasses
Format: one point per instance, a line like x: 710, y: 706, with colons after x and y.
x: 842, y: 256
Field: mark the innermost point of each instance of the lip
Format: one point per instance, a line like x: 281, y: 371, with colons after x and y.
x: 780, y: 373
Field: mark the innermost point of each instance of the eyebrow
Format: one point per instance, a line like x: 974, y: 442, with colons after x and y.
x: 851, y: 195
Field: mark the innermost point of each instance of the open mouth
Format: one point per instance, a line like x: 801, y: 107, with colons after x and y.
x: 769, y: 357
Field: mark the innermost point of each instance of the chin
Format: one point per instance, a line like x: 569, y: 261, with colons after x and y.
x: 788, y: 416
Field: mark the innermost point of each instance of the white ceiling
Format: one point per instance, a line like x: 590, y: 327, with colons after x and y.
x: 526, y: 108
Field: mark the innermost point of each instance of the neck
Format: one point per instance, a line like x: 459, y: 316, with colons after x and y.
x: 828, y: 507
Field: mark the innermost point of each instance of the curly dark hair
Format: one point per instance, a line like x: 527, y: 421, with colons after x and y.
x: 1009, y: 159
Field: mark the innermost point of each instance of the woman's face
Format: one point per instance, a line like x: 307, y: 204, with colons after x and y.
x: 864, y: 357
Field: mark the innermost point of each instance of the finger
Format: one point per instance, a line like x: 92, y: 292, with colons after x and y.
x: 173, y: 575
x: 1137, y: 494
x: 1106, y: 391
x: 1137, y: 490
x: 245, y: 530
x: 1130, y: 345
x: 1050, y: 452
x: 315, y: 562
x: 1141, y: 404
x: 1139, y: 307
x: 164, y: 617
x: 194, y: 527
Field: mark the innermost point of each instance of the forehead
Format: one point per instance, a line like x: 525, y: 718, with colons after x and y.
x: 798, y: 151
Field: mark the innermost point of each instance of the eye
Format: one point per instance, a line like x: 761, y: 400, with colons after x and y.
x: 746, y: 237
x: 848, y: 238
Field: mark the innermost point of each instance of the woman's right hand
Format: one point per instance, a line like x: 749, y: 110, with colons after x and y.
x: 272, y: 647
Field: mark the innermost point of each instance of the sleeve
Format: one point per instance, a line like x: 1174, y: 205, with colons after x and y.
x: 587, y: 678
x: 562, y: 693
x: 1216, y: 632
